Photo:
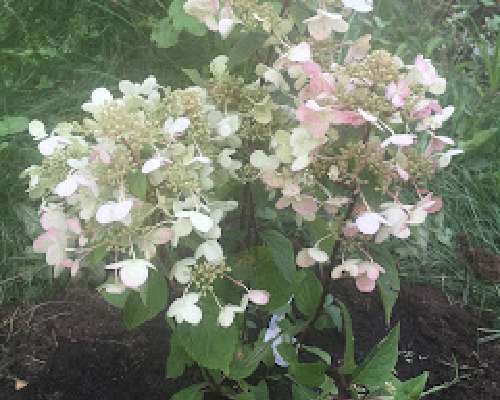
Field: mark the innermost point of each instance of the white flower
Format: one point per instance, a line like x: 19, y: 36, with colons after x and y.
x: 274, y: 77
x: 369, y: 222
x: 100, y: 97
x: 184, y: 309
x: 113, y: 212
x: 445, y: 158
x: 300, y: 53
x: 37, y: 129
x: 218, y: 65
x: 262, y: 161
x: 211, y: 250
x: 324, y: 23
x: 228, y: 125
x: 227, y: 162
x: 227, y: 314
x: 174, y: 127
x: 70, y: 185
x: 226, y: 26
x: 133, y: 272
x: 154, y: 163
x: 397, y: 223
x: 49, y: 145
x: 401, y: 140
x: 318, y: 255
x: 201, y: 222
x: 351, y: 266
x: 362, y: 6
x: 181, y: 270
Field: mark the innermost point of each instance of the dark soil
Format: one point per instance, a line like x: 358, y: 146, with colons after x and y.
x: 76, y: 348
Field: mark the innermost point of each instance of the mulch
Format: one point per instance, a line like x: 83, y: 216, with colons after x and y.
x: 75, y: 347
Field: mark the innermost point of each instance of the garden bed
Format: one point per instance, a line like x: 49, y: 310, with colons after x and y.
x: 76, y: 348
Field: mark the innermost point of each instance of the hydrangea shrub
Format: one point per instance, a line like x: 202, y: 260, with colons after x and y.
x: 235, y: 203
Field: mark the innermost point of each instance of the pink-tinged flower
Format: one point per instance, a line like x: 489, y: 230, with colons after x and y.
x: 428, y: 76
x: 304, y: 260
x: 272, y: 179
x: 72, y: 265
x: 437, y: 120
x: 320, y: 84
x: 340, y: 117
x: 53, y: 244
x: 74, y: 226
x: 403, y: 174
x: 315, y: 119
x: 369, y: 222
x: 303, y: 205
x: 101, y: 153
x: 397, y: 93
x: 324, y: 23
x: 368, y: 273
x: 438, y: 143
x: 350, y: 229
x: 259, y: 297
x: 53, y: 241
x: 161, y: 236
x: 425, y: 108
x: 291, y: 189
x: 359, y: 49
x: 400, y: 140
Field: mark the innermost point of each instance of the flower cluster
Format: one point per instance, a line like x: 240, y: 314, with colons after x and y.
x: 365, y: 133
x: 135, y: 175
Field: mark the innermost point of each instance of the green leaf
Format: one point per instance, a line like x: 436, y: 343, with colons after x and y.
x: 308, y: 374
x: 194, y: 76
x: 207, y: 343
x: 138, y: 184
x: 388, y: 282
x: 327, y: 358
x: 244, y: 366
x: 245, y: 48
x: 193, y: 392
x: 261, y: 391
x: 164, y: 34
x: 269, y: 276
x: 96, y: 256
x: 183, y: 21
x: 349, y: 363
x: 334, y: 313
x: 308, y: 294
x: 11, y: 124
x: 135, y: 311
x: 117, y: 300
x: 379, y: 364
x: 411, y: 389
x: 177, y: 359
x: 319, y: 229
x: 300, y: 392
x: 282, y: 253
